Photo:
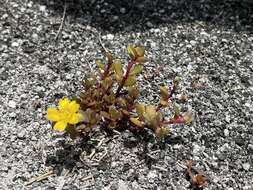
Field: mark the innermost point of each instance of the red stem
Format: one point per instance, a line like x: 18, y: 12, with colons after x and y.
x: 129, y: 66
x: 106, y: 71
x: 169, y: 97
x: 177, y: 120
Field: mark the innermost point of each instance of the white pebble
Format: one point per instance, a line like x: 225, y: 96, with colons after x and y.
x: 42, y: 8
x: 110, y: 36
x: 226, y: 132
x: 12, y: 104
x: 246, y: 166
x: 14, y: 44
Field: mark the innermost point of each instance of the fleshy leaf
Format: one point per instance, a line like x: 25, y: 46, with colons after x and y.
x: 140, y: 109
x: 136, y: 70
x: 115, y: 115
x: 122, y: 102
x: 164, y: 92
x: 176, y: 110
x: 117, y: 65
x: 150, y: 112
x: 118, y: 78
x: 140, y: 51
x: 133, y: 92
x: 162, y: 132
x: 99, y: 64
x: 176, y: 81
x: 164, y: 103
x: 141, y: 60
x: 136, y: 121
x: 105, y: 115
x: 188, y: 118
x: 131, y: 80
x: 132, y: 52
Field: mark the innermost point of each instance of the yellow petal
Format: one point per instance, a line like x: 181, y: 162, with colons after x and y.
x: 53, y: 114
x: 75, y: 118
x: 60, y: 126
x: 73, y: 107
x: 63, y: 104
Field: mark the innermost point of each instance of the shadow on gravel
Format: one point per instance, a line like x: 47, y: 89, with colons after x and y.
x: 76, y: 154
x: 68, y: 156
x: 138, y: 15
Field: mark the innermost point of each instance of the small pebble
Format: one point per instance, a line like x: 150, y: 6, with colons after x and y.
x: 122, y: 10
x: 14, y: 44
x: 246, y: 166
x: 12, y: 114
x: 250, y: 147
x: 21, y: 135
x: 226, y: 132
x: 110, y: 36
x: 12, y: 104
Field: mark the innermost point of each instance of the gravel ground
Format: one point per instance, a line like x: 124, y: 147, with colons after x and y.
x: 208, y: 43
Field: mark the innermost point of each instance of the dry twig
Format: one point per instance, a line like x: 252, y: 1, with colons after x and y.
x: 62, y: 21
x: 39, y: 178
x: 102, y: 45
x: 198, y: 179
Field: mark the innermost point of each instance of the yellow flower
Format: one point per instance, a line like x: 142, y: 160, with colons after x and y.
x: 67, y: 113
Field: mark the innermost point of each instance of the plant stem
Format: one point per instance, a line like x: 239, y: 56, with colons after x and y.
x: 172, y: 91
x: 177, y: 120
x: 106, y: 71
x: 129, y: 66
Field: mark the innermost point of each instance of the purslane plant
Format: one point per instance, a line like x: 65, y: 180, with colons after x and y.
x: 109, y: 99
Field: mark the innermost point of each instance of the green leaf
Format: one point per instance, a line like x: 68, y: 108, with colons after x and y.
x: 140, y: 109
x: 117, y: 65
x: 140, y: 51
x: 188, y: 117
x: 150, y: 112
x: 99, y: 64
x: 109, y: 98
x: 88, y: 82
x: 122, y: 102
x: 133, y: 92
x: 141, y: 60
x: 176, y: 81
x: 131, y: 80
x: 132, y: 52
x: 107, y: 82
x: 105, y: 115
x: 136, y: 121
x: 162, y: 132
x: 176, y: 110
x: 136, y: 70
x: 115, y: 115
x: 91, y: 116
x: 164, y: 103
x: 164, y: 92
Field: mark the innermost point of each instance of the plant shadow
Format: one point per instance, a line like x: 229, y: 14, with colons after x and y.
x: 69, y: 154
x: 150, y: 148
x: 123, y: 15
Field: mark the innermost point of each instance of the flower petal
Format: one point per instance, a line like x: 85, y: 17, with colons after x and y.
x: 53, y: 114
x: 75, y: 118
x: 73, y: 106
x: 63, y: 104
x: 60, y: 126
